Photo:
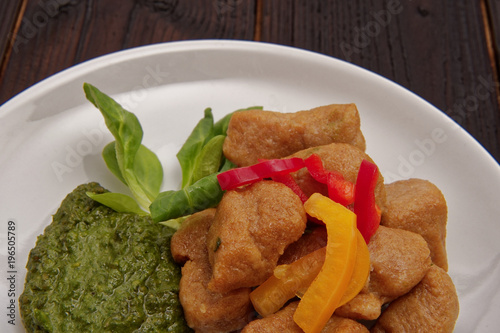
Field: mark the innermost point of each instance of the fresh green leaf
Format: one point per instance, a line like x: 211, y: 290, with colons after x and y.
x: 209, y: 159
x: 189, y: 152
x: 175, y: 223
x: 119, y: 202
x: 205, y: 193
x: 109, y: 156
x: 127, y: 131
x: 200, y: 157
x: 220, y: 127
x: 226, y: 165
x: 256, y: 107
x: 125, y: 127
x: 148, y: 171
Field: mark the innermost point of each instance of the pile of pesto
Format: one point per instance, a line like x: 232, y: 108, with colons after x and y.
x: 97, y: 270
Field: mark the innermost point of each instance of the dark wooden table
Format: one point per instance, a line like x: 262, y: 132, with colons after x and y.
x: 448, y: 51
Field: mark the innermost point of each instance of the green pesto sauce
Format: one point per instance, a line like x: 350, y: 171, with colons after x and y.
x: 96, y: 270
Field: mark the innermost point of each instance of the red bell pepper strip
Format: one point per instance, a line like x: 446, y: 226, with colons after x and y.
x: 339, y: 189
x: 288, y: 180
x: 234, y: 178
x: 314, y: 165
x: 365, y: 207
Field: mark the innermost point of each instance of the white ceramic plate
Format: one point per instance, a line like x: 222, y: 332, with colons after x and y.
x: 51, y: 139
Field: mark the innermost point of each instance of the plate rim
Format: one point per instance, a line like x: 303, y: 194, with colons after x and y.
x: 72, y: 72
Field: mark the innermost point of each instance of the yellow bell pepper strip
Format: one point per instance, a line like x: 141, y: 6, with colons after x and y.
x: 293, y: 279
x: 359, y: 274
x: 234, y: 178
x: 271, y: 295
x: 361, y: 270
x: 365, y: 207
x: 325, y: 293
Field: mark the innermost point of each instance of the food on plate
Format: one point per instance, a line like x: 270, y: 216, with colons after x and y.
x: 327, y: 291
x: 432, y: 306
x: 200, y: 159
x: 206, y: 310
x: 94, y: 269
x: 312, y: 240
x: 258, y: 134
x: 340, y: 157
x: 251, y: 229
x: 289, y: 280
x: 283, y: 223
x: 399, y: 260
x: 126, y: 157
x: 419, y: 206
x: 282, y: 321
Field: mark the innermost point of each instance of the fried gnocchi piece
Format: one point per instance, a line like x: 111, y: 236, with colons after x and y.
x: 204, y: 310
x: 340, y: 157
x: 257, y: 134
x: 418, y: 205
x: 189, y: 242
x: 207, y: 311
x: 282, y: 321
x: 399, y: 260
x: 252, y: 227
x: 432, y: 306
x: 365, y: 306
x: 308, y: 243
x: 338, y: 324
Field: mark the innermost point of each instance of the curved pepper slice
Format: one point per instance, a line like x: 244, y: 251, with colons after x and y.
x: 325, y: 293
x: 293, y: 279
x: 286, y: 281
x: 339, y: 189
x: 288, y: 180
x: 365, y: 207
x: 361, y: 270
x: 234, y: 178
x: 314, y: 165
x: 359, y: 275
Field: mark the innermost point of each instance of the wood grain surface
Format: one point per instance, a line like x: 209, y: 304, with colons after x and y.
x: 446, y: 51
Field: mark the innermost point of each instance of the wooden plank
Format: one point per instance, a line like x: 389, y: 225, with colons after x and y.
x: 493, y: 10
x: 436, y: 49
x: 69, y: 32
x: 40, y: 47
x: 9, y: 11
x: 10, y: 19
x: 491, y: 13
